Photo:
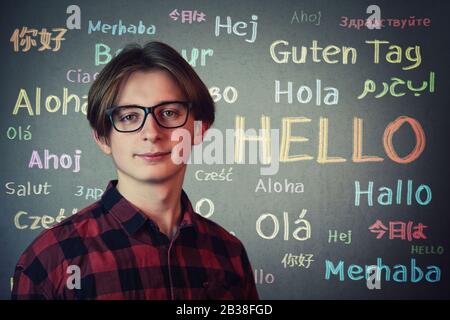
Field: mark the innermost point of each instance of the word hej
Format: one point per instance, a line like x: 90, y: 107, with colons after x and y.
x: 65, y: 160
x: 344, y: 237
x: 389, y: 196
x: 282, y: 52
x: 22, y: 220
x: 399, y: 230
x: 238, y: 28
x: 399, y: 272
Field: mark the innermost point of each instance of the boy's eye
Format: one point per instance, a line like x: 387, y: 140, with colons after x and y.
x: 169, y: 113
x: 128, y: 117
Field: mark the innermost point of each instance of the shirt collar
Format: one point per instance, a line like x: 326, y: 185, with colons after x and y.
x: 131, y: 218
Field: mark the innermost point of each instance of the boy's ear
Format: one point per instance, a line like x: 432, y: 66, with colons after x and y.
x: 101, y: 142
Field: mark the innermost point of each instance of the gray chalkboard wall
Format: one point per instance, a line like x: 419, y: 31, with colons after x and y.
x: 367, y: 184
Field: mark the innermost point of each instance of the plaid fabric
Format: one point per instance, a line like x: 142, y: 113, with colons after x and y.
x: 121, y: 254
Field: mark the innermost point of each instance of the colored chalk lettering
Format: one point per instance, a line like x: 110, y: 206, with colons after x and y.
x: 64, y: 161
x: 388, y: 196
x: 400, y: 273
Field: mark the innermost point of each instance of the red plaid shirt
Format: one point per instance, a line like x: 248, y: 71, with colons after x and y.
x: 121, y: 254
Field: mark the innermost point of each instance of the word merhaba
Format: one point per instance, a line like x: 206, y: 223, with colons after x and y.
x: 399, y: 272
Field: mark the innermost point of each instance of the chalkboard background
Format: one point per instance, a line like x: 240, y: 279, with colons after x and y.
x: 242, y: 76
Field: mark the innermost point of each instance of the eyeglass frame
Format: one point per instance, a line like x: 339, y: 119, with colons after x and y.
x: 147, y: 111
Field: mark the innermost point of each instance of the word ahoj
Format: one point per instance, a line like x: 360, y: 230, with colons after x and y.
x: 65, y: 160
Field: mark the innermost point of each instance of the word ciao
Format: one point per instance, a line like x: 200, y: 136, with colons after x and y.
x: 282, y: 52
x: 400, y: 272
x: 65, y: 161
x: 22, y: 220
x: 386, y: 196
x: 28, y: 189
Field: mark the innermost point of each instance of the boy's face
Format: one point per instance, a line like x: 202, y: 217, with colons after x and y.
x: 146, y: 88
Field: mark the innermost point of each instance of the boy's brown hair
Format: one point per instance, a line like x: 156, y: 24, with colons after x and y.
x: 154, y: 55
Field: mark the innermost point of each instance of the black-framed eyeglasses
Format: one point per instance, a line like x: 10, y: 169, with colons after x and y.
x: 167, y: 114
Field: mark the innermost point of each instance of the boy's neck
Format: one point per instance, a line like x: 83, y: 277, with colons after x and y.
x: 161, y: 202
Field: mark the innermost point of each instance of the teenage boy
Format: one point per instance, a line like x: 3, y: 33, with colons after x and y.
x: 142, y: 239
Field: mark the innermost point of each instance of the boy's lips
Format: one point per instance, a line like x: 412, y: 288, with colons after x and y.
x: 153, y: 156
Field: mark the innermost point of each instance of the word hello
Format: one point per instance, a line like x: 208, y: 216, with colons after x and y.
x: 417, y: 249
x: 335, y: 236
x: 422, y: 194
x: 239, y: 25
x: 28, y: 189
x: 278, y: 187
x: 399, y: 272
x: 65, y: 161
x: 121, y: 28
